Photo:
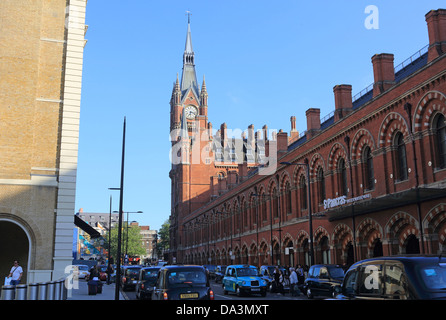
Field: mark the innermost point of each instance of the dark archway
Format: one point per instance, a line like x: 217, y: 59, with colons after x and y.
x: 378, y: 248
x: 412, y: 245
x: 14, y: 246
x: 350, y: 254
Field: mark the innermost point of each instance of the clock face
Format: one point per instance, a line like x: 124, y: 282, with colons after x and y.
x: 191, y: 112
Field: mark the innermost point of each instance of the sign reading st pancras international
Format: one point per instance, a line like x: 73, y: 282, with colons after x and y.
x: 339, y: 201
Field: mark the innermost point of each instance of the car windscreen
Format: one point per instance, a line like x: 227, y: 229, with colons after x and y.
x: 336, y: 272
x: 243, y: 272
x: 186, y: 278
x: 132, y: 272
x: 150, y: 274
x: 434, y: 276
x: 83, y: 268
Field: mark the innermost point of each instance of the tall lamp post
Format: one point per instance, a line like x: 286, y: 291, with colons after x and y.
x: 121, y: 198
x: 310, y: 218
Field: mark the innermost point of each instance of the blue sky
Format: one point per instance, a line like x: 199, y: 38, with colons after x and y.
x: 264, y: 61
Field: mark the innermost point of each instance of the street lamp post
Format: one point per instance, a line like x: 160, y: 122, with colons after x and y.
x: 310, y: 218
x: 121, y: 198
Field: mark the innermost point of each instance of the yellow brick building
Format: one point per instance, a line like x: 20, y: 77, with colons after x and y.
x: 41, y: 55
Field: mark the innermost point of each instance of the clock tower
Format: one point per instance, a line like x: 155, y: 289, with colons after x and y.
x: 191, y: 151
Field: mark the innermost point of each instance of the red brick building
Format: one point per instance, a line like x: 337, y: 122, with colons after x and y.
x: 377, y: 172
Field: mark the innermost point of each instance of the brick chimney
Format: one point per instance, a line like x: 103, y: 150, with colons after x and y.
x: 313, y: 122
x: 282, y: 141
x: 294, y: 134
x: 383, y: 72
x: 436, y: 27
x: 343, y: 100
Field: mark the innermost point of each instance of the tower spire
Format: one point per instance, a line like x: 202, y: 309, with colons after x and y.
x: 189, y: 77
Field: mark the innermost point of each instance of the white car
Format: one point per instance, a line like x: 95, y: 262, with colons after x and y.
x: 82, y: 270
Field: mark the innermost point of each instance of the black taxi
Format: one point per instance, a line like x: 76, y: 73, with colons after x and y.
x: 396, y: 277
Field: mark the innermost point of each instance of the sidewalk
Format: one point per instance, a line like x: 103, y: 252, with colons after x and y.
x: 108, y: 293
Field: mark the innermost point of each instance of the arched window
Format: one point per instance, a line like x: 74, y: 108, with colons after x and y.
x: 303, y: 193
x: 287, y: 197
x: 245, y: 221
x: 369, y: 175
x: 342, y: 173
x: 401, y: 159
x: 321, y: 184
x: 275, y: 199
x: 262, y: 206
x: 440, y: 133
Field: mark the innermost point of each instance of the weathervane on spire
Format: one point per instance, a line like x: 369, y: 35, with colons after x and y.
x: 188, y: 16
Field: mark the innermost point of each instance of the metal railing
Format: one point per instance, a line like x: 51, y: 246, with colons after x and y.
x: 50, y: 290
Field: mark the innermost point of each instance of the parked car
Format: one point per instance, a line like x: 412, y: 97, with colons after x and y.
x: 322, y: 280
x: 182, y: 282
x: 244, y: 279
x: 396, y: 277
x: 130, y: 276
x: 219, y: 273
x: 83, y: 271
x: 146, y: 282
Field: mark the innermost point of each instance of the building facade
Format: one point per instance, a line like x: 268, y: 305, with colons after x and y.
x: 41, y: 55
x: 371, y: 175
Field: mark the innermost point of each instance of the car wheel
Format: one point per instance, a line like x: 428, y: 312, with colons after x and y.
x: 309, y: 294
x: 238, y: 292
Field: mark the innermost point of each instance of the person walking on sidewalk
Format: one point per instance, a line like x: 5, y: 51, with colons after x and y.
x: 293, y: 283
x: 109, y: 272
x: 16, y: 273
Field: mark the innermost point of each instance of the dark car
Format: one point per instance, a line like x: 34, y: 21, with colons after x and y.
x: 323, y: 279
x: 182, y: 283
x: 146, y: 282
x: 219, y: 273
x: 130, y: 276
x: 396, y: 277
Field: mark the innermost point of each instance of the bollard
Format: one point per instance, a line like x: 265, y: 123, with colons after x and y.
x: 64, y: 289
x: 42, y: 290
x: 50, y: 293
x: 57, y: 290
x: 21, y: 291
x: 8, y: 292
x: 33, y: 291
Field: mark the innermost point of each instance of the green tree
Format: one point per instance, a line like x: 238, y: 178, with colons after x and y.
x: 163, y: 238
x: 134, y: 246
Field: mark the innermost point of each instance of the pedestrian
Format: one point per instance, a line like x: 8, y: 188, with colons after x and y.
x: 15, y: 273
x: 94, y: 273
x: 300, y: 274
x: 276, y: 275
x: 109, y: 272
x: 293, y: 283
x: 280, y: 283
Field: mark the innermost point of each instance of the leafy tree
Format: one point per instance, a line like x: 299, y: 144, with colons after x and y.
x: 134, y: 246
x: 163, y: 238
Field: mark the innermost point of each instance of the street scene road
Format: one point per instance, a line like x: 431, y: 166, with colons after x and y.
x: 219, y: 295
